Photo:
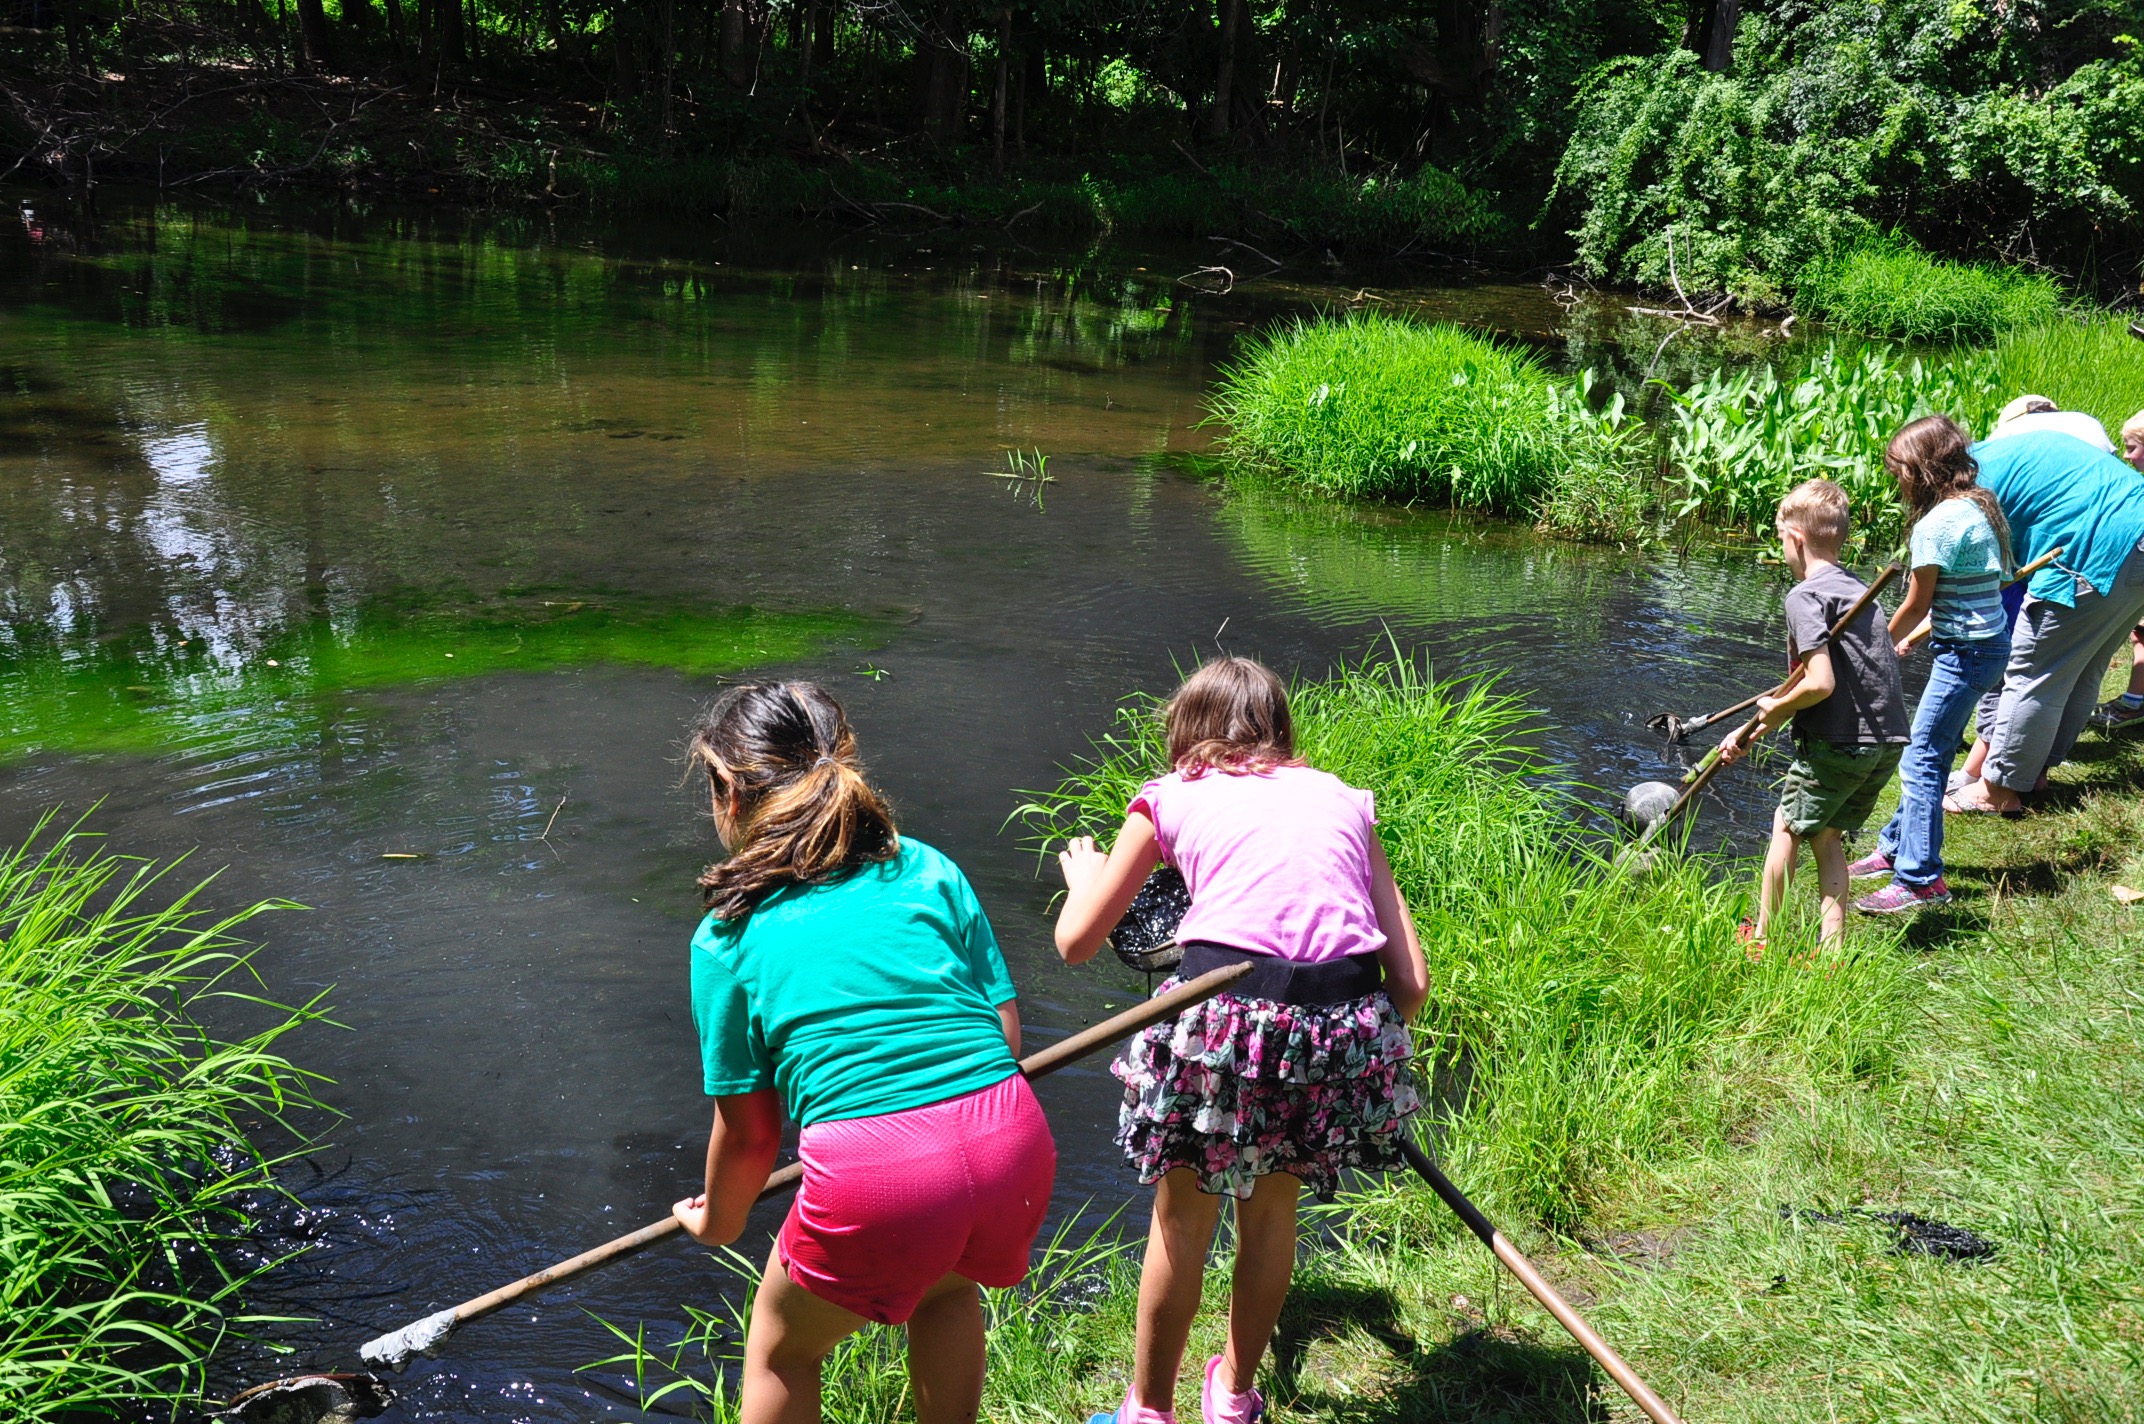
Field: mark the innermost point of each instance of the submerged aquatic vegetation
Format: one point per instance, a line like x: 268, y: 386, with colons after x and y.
x: 1886, y: 286
x: 1375, y: 407
x: 127, y: 1175
x: 1572, y: 1010
x: 144, y: 695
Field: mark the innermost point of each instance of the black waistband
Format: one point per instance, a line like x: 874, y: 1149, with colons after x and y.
x: 1283, y: 981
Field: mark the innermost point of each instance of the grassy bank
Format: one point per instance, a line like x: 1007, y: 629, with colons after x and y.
x: 1634, y: 1099
x: 1885, y: 286
x: 1383, y: 408
x: 126, y: 1171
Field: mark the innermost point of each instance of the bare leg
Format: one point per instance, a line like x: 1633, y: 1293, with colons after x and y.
x: 1169, y: 1284
x: 2136, y: 664
x: 1779, y: 860
x: 1975, y: 759
x: 945, y: 1352
x: 1265, y: 1263
x: 1829, y: 848
x: 791, y: 1331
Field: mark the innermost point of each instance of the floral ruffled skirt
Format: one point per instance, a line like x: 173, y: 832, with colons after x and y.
x: 1234, y: 1088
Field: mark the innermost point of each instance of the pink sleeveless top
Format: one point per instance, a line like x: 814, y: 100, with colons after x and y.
x: 1277, y: 862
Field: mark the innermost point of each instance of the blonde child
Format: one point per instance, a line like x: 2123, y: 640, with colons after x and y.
x: 1299, y: 1073
x: 1849, y: 711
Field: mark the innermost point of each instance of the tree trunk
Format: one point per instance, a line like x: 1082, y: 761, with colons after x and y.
x: 1224, y: 79
x: 1719, y: 40
x: 315, y: 47
x: 823, y: 18
x: 941, y: 92
x: 1001, y: 94
x: 394, y: 28
x: 358, y: 17
x: 736, y: 67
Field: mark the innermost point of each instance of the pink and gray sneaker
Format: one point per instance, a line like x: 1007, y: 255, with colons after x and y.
x: 1133, y: 1412
x: 1897, y: 899
x: 1220, y: 1406
x: 1869, y: 867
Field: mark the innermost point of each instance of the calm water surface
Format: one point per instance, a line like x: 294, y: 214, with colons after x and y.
x: 331, y: 535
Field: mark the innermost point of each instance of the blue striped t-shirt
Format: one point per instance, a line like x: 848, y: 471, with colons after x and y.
x: 1956, y: 539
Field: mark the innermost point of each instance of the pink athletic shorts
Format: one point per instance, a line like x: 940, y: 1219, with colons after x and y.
x: 890, y: 1204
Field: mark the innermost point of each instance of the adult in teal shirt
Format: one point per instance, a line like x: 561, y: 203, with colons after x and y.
x: 2058, y: 492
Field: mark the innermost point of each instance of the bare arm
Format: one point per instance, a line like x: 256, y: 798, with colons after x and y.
x: 1920, y: 597
x: 1099, y: 888
x: 1817, y: 683
x: 741, y: 1149
x: 1009, y: 1016
x: 1406, y: 973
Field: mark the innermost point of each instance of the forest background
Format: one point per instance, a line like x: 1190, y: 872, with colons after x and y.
x: 1715, y: 144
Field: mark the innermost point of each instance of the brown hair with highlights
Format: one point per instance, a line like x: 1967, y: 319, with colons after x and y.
x: 1232, y: 716
x: 803, y: 812
x: 1932, y: 460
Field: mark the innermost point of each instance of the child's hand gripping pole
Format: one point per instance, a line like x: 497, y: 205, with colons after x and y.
x: 394, y: 1348
x: 1928, y: 625
x: 1695, y: 779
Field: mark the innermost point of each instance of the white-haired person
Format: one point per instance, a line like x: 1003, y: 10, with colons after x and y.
x: 2060, y: 488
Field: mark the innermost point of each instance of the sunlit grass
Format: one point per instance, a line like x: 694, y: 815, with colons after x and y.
x: 127, y: 1174
x: 2095, y: 366
x: 1885, y: 286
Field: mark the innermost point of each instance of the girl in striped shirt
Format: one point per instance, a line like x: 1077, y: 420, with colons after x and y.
x: 1960, y: 554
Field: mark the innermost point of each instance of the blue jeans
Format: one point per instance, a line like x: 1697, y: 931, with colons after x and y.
x: 1913, y: 841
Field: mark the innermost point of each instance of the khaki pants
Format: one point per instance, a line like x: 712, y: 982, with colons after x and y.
x: 2058, y: 657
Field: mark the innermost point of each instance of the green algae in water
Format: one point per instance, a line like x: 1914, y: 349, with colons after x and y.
x: 144, y: 694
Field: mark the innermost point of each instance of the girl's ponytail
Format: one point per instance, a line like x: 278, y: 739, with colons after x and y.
x: 781, y: 757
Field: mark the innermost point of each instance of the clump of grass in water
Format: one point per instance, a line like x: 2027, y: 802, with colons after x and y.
x: 2094, y: 366
x: 1886, y: 286
x: 124, y: 1170
x: 1375, y: 407
x: 1571, y: 1009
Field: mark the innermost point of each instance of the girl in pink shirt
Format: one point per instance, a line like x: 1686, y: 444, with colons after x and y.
x: 1298, y: 1072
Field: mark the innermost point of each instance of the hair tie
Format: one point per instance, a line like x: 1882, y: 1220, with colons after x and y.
x: 824, y: 758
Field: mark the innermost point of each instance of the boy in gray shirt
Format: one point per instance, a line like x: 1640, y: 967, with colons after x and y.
x: 1849, y: 711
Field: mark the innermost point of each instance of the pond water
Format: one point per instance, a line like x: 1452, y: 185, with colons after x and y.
x: 331, y: 536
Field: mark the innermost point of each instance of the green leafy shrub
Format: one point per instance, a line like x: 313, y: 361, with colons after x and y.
x: 1373, y: 407
x: 1837, y: 121
x: 125, y: 1173
x: 1886, y: 286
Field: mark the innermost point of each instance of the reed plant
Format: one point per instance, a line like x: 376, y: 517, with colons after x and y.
x: 1373, y: 407
x: 1572, y: 1008
x: 128, y: 1172
x: 1886, y: 286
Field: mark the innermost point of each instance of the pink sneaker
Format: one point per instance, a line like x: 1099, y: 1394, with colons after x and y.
x: 1897, y: 899
x: 1869, y: 866
x: 1133, y: 1412
x: 1221, y: 1407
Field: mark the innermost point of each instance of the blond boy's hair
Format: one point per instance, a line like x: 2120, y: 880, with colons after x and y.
x: 1819, y: 510
x: 2133, y: 426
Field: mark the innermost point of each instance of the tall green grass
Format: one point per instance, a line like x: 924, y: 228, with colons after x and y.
x: 1374, y: 407
x: 1573, y: 1011
x: 1886, y: 286
x: 2094, y: 366
x: 126, y: 1169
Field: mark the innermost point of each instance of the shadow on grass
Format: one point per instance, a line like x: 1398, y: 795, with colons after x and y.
x: 1476, y: 1376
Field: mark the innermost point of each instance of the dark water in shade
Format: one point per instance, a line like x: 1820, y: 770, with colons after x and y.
x: 504, y: 501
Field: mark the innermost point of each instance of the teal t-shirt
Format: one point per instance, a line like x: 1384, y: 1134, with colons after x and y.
x: 871, y: 995
x: 2057, y: 491
x: 1956, y: 540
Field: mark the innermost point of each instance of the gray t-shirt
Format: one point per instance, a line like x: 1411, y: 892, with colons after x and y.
x: 1867, y: 705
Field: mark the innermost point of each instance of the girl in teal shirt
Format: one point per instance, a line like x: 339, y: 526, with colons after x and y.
x: 847, y: 974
